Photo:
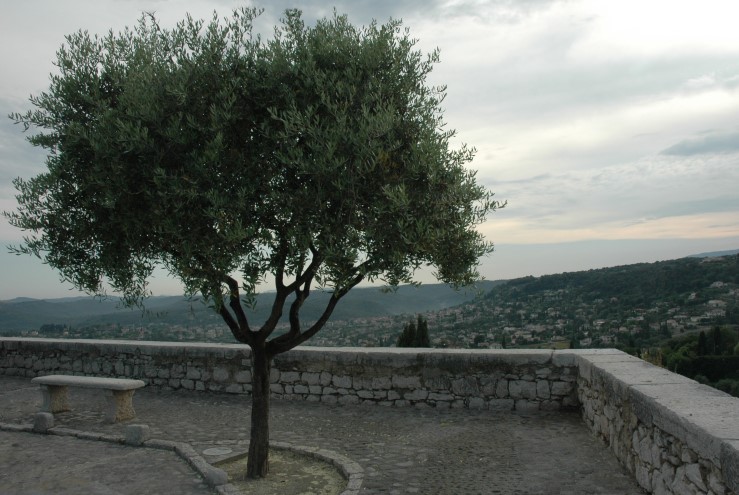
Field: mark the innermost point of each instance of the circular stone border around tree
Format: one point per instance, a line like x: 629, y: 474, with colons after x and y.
x: 286, y: 462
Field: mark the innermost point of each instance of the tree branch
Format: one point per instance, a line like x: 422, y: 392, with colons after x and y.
x: 241, y: 336
x: 235, y: 303
x: 290, y: 340
x: 305, y: 279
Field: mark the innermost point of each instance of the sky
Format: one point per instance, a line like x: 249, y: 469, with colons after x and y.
x: 611, y: 128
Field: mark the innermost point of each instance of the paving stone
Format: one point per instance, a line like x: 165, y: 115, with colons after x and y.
x: 406, y: 450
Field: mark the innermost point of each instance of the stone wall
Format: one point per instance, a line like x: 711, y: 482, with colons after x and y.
x: 499, y: 380
x: 673, y: 434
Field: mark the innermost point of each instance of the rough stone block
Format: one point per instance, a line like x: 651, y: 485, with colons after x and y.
x: 342, y: 381
x: 235, y: 388
x: 177, y: 371
x: 521, y: 389
x: 136, y: 434
x: 310, y: 378
x: 274, y: 375
x: 381, y: 383
x: 693, y: 473
x: 730, y: 464
x: 243, y: 376
x: 488, y: 388
x: 416, y: 395
x: 221, y: 375
x: 524, y: 405
x: 561, y: 388
x: 365, y: 394
x: 315, y: 389
x: 289, y: 376
x: 501, y: 389
x: 465, y: 386
x: 437, y: 383
x: 406, y: 381
x: 42, y: 421
x: 442, y: 397
x: 542, y: 389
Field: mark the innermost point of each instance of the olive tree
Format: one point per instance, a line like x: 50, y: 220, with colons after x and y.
x: 315, y: 159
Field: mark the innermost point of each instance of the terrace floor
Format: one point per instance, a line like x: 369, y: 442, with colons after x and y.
x: 401, y: 450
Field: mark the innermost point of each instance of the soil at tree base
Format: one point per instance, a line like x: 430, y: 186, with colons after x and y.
x: 290, y: 473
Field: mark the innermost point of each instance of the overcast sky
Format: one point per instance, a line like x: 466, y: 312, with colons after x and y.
x: 610, y: 127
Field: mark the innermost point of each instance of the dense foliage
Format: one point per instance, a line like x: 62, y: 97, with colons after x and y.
x: 637, y: 285
x: 415, y: 334
x: 708, y: 357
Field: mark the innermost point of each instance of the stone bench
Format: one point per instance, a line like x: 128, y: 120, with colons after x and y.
x: 119, y: 400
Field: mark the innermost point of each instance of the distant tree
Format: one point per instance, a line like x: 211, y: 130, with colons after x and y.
x: 716, y: 341
x: 415, y: 334
x: 319, y: 158
x: 407, y: 336
x: 702, y: 348
x: 422, y: 333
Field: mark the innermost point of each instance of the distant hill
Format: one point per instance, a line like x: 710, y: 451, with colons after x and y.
x: 28, y: 314
x: 715, y: 254
x: 637, y: 285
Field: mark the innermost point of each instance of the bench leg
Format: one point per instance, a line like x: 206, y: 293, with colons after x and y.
x: 120, y: 406
x: 55, y: 398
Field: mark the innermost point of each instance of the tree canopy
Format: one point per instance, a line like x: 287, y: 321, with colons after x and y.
x: 318, y: 157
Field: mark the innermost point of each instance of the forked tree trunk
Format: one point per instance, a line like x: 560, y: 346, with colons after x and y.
x: 258, y: 461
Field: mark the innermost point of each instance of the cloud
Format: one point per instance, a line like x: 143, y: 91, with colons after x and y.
x: 713, y: 143
x: 654, y: 197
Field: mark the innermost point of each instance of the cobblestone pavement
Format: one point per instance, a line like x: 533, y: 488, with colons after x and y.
x: 401, y: 450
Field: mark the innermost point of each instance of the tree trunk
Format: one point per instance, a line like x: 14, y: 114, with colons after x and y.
x: 258, y: 461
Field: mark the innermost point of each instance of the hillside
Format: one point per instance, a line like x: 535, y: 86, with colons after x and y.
x: 24, y: 314
x: 625, y: 306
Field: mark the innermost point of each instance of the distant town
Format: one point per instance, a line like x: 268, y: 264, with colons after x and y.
x: 598, y: 308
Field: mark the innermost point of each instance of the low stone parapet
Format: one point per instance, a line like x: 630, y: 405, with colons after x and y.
x: 672, y: 433
x: 522, y: 380
x: 498, y: 380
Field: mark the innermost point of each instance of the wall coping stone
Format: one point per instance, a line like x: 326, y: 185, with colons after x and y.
x: 700, y: 415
